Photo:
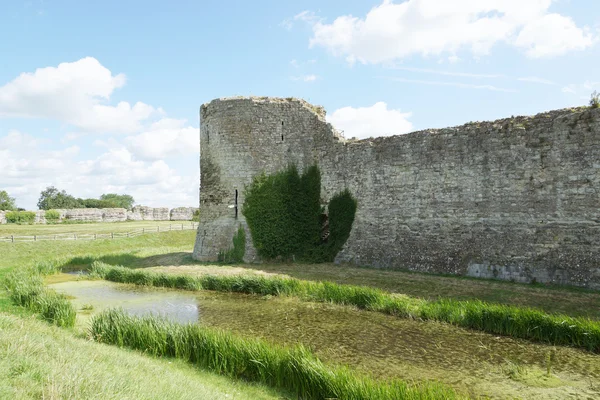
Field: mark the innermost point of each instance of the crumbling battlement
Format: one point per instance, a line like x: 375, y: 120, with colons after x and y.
x: 516, y: 198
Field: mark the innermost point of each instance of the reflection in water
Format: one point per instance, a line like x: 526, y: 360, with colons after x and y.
x: 173, y: 305
x: 385, y: 346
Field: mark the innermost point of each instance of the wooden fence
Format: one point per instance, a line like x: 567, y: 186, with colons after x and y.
x: 98, y: 236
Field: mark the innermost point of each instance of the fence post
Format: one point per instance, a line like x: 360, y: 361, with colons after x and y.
x: 112, y: 235
x: 127, y: 234
x: 35, y: 238
x: 54, y: 237
x: 182, y: 226
x: 75, y: 236
x: 143, y: 230
x: 95, y: 236
x: 158, y: 228
x: 169, y: 226
x: 12, y: 237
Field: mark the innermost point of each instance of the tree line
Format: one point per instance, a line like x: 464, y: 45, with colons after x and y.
x: 52, y: 198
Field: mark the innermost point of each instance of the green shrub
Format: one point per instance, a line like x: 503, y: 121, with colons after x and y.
x: 52, y: 216
x: 196, y: 216
x: 284, y: 214
x: 20, y: 217
x: 292, y: 368
x: 236, y: 253
x: 95, y: 203
x: 280, y: 211
x: 27, y: 290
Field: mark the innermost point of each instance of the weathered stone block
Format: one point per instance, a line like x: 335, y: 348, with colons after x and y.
x: 182, y: 213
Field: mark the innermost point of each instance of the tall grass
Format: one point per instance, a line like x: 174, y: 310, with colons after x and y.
x: 290, y: 368
x: 26, y: 289
x: 518, y: 322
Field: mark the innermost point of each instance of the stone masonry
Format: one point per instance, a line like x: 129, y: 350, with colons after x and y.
x: 139, y: 213
x: 515, y: 199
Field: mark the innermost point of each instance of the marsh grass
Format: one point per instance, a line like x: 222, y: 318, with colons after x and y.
x: 513, y: 321
x: 290, y: 368
x: 40, y: 361
x: 26, y: 289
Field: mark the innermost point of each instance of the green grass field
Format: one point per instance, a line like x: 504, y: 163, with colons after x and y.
x: 89, y: 228
x: 50, y: 362
x: 40, y: 361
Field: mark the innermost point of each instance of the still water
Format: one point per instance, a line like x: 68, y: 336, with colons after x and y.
x: 472, y: 362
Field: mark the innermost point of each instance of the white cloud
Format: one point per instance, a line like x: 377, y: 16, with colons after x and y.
x: 393, y: 31
x: 15, y: 140
x: 28, y: 167
x: 448, y: 73
x: 455, y: 84
x: 453, y: 59
x: 365, y: 122
x: 165, y: 138
x: 535, y: 79
x: 74, y: 93
x: 582, y: 89
x: 305, y: 16
x: 78, y: 95
x: 305, y: 78
x: 552, y: 35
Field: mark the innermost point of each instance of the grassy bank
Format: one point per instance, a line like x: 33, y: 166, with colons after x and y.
x: 86, y: 228
x: 294, y: 369
x: 39, y: 361
x: 550, y: 298
x: 518, y: 322
x: 26, y: 289
x: 17, y: 256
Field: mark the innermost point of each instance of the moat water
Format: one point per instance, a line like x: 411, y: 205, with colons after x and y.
x: 474, y: 363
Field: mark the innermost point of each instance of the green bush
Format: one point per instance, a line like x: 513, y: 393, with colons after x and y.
x: 292, y: 368
x: 196, y: 216
x: 236, y: 253
x: 518, y: 322
x: 283, y: 211
x: 27, y: 290
x: 20, y: 217
x: 52, y: 216
x: 95, y: 203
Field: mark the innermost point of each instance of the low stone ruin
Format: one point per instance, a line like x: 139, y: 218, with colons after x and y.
x: 138, y: 213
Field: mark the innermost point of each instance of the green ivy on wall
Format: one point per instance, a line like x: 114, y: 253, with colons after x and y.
x: 284, y: 214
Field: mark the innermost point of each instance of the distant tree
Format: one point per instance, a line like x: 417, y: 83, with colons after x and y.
x: 120, y: 200
x: 52, y: 198
x: 95, y: 203
x: 7, y: 203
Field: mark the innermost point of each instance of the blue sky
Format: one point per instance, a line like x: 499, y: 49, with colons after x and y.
x: 100, y: 97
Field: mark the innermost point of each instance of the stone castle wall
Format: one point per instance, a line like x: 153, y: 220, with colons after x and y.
x: 138, y: 213
x: 515, y: 199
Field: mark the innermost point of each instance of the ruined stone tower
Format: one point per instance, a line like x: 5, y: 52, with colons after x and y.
x: 515, y: 199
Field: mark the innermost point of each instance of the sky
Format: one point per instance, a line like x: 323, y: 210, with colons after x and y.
x: 103, y: 97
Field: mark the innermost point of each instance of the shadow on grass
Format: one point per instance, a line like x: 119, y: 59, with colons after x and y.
x: 129, y: 260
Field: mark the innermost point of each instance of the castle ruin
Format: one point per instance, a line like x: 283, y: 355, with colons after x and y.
x: 515, y: 199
